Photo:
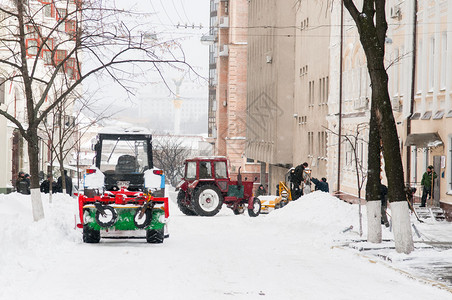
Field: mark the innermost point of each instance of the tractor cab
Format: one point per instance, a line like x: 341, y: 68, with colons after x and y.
x: 205, y: 169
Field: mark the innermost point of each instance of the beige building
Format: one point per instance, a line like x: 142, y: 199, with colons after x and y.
x: 419, y: 64
x: 310, y: 106
x: 348, y: 112
x: 288, y: 85
x: 227, y: 87
x: 270, y: 90
x: 430, y: 123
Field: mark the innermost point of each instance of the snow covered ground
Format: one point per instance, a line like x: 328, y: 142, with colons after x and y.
x: 291, y: 253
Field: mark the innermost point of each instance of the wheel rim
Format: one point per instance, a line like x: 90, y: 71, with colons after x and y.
x: 107, y: 217
x: 256, y: 206
x: 209, y: 200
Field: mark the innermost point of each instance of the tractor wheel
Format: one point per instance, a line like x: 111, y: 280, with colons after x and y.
x: 154, y: 236
x: 239, y: 210
x: 207, y: 200
x: 145, y: 219
x: 182, y: 206
x: 256, y: 209
x: 90, y: 235
x: 108, y: 219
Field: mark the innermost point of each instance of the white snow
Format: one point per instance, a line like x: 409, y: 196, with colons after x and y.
x: 291, y: 253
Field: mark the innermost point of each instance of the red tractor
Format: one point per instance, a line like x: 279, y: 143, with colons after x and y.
x: 206, y: 186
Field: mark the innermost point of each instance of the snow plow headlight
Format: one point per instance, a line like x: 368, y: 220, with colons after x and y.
x: 90, y: 171
x: 158, y: 172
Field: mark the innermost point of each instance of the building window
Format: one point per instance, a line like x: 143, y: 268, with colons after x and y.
x: 32, y: 47
x: 48, y: 10
x: 311, y: 142
x: 443, y: 59
x: 61, y: 13
x: 395, y: 87
x: 419, y: 68
x: 60, y: 55
x: 70, y: 68
x: 311, y: 93
x: 70, y: 27
x: 431, y: 64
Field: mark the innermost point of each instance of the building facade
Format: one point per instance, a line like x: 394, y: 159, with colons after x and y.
x: 44, y: 49
x: 310, y: 107
x: 228, y: 87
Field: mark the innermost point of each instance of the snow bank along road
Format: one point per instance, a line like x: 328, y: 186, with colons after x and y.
x: 286, y: 254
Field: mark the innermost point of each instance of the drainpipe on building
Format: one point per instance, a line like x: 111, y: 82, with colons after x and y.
x: 413, y: 78
x: 340, y: 101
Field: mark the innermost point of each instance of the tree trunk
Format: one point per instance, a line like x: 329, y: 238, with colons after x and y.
x: 372, y: 36
x: 33, y: 155
x: 373, y: 180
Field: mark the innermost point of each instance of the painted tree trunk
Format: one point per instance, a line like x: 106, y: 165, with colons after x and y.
x: 36, y: 201
x: 373, y: 179
x: 374, y: 221
x: 372, y: 27
x: 401, y: 225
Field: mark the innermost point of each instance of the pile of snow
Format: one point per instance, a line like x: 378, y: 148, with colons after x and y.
x: 286, y: 254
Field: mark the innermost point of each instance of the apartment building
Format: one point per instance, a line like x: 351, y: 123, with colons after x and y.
x: 271, y: 87
x: 428, y: 137
x: 312, y: 64
x: 228, y: 82
x: 44, y: 49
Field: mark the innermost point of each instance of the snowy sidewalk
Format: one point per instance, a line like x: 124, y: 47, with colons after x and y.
x: 430, y: 262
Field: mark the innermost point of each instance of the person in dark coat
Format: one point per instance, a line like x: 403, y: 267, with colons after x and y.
x: 45, y: 185
x: 23, y: 184
x: 426, y: 182
x: 321, y: 185
x: 384, y: 204
x: 296, y: 177
x: 68, y: 182
x: 261, y: 191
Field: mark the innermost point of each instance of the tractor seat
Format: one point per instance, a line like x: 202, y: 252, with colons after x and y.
x: 126, y: 164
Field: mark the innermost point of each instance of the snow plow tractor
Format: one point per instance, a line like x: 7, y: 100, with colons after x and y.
x: 123, y: 193
x: 206, y: 186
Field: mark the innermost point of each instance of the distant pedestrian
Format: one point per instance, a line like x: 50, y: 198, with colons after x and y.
x: 68, y: 182
x: 384, y: 204
x: 321, y: 185
x: 426, y: 182
x: 45, y: 185
x: 261, y: 191
x: 22, y: 184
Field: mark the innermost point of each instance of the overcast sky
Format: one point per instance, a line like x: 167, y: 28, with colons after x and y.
x: 170, y: 19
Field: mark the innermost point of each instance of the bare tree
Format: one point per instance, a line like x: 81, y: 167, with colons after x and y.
x: 44, y: 44
x: 354, y: 139
x: 169, y: 155
x: 64, y: 132
x: 372, y: 27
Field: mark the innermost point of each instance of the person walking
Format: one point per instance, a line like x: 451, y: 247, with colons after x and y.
x: 68, y: 182
x: 427, y: 183
x: 384, y: 204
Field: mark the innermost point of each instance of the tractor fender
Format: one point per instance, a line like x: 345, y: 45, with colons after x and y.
x: 251, y: 202
x: 193, y: 185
